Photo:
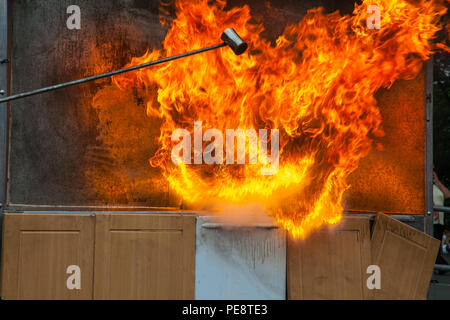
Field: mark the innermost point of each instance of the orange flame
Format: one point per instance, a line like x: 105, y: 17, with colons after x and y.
x: 316, y: 85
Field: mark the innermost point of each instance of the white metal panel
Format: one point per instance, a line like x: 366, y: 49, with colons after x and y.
x: 245, y: 263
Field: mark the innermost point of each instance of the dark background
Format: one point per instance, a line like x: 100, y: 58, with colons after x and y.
x: 441, y: 109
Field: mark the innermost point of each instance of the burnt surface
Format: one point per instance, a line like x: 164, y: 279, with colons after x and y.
x: 55, y: 135
x: 393, y: 180
x: 58, y: 157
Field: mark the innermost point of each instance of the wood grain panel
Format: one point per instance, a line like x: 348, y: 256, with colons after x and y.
x: 330, y: 263
x: 37, y: 249
x: 144, y: 257
x: 406, y: 258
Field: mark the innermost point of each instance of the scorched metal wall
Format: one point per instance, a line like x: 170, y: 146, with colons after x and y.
x: 57, y: 155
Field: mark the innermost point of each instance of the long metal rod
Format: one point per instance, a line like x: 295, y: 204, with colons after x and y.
x: 4, y: 83
x: 3, y: 106
x: 441, y: 209
x: 442, y: 267
x: 108, y: 74
x: 428, y: 222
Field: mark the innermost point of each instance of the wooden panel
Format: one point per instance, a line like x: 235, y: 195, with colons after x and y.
x: 144, y: 257
x: 37, y: 249
x: 330, y: 263
x: 406, y: 258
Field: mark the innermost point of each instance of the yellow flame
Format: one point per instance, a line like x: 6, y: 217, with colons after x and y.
x: 316, y: 85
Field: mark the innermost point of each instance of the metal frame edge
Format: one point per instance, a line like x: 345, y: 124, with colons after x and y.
x: 428, y: 223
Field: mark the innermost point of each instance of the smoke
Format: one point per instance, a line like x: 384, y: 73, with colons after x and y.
x: 243, y: 215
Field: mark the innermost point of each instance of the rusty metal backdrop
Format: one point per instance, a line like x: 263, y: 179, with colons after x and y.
x: 57, y: 158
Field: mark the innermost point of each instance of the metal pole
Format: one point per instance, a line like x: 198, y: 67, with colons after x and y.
x: 4, y: 28
x: 442, y: 209
x: 108, y: 74
x: 442, y: 267
x: 3, y: 106
x: 428, y: 222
